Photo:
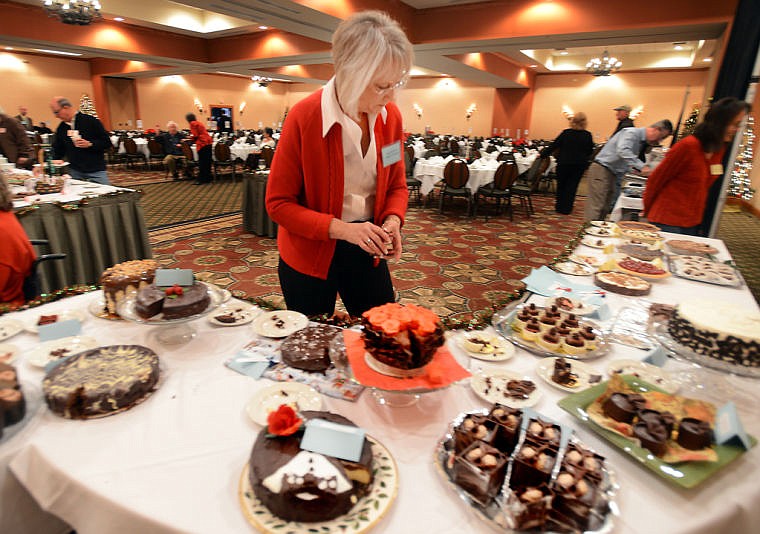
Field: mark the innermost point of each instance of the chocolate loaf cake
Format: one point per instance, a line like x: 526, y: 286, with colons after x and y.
x: 101, y: 381
x: 309, y: 348
x: 298, y: 485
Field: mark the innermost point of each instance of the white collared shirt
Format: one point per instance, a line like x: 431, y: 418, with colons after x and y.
x: 359, y: 172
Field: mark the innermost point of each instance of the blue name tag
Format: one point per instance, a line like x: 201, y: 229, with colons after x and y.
x: 332, y: 439
x: 170, y: 277
x: 603, y: 312
x: 59, y: 329
x: 729, y: 429
x: 391, y: 153
x: 656, y: 356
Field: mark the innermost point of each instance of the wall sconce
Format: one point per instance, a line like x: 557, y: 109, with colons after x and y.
x: 417, y: 110
x: 635, y: 112
x: 470, y: 110
x: 241, y: 108
x: 567, y: 111
x: 198, y: 105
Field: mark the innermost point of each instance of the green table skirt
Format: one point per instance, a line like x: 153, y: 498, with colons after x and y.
x: 255, y: 217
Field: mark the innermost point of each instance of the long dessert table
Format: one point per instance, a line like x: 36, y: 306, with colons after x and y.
x: 95, y: 225
x: 173, y: 463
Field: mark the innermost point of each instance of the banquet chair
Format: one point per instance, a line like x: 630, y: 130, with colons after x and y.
x: 267, y: 153
x: 156, y: 152
x: 506, y: 156
x: 454, y: 147
x: 132, y: 154
x: 32, y: 286
x: 412, y: 183
x: 455, y: 176
x: 529, y: 184
x: 499, y: 190
x: 190, y: 164
x: 223, y: 158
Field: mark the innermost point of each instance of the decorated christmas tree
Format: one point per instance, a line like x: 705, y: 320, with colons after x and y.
x: 740, y: 180
x: 86, y: 106
x: 690, y: 122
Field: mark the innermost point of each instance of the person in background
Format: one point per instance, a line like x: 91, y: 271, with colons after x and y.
x: 16, y: 252
x: 203, y: 142
x: 171, y: 140
x: 572, y: 148
x: 622, y: 114
x: 82, y: 140
x: 24, y: 119
x: 14, y: 143
x: 43, y: 129
x: 337, y: 186
x: 676, y: 192
x: 619, y: 156
x: 267, y: 139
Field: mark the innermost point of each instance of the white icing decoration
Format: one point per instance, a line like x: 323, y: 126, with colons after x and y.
x: 301, y: 464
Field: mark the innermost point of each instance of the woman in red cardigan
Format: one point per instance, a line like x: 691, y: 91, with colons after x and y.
x: 676, y: 191
x: 16, y: 252
x: 337, y: 187
x: 203, y: 142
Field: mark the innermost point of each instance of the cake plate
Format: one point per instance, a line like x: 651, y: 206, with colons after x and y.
x: 171, y: 331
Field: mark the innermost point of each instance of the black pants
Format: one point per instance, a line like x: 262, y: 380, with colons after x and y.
x: 568, y: 178
x: 352, y: 274
x: 204, y: 164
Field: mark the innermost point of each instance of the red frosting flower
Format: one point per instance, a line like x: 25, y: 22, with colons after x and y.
x: 284, y: 421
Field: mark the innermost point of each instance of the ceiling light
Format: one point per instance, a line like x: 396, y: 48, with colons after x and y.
x: 119, y: 19
x: 9, y: 48
x: 603, y: 66
x: 57, y: 52
x: 707, y: 60
x: 562, y: 51
x: 77, y: 12
x: 262, y: 81
x: 263, y: 27
x: 533, y: 66
x: 679, y: 45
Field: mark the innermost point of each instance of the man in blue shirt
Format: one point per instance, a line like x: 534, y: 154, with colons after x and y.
x: 619, y: 156
x: 171, y: 141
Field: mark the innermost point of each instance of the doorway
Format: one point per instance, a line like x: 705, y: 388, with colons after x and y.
x: 222, y: 116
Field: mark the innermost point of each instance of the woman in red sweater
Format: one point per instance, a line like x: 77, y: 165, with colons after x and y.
x: 16, y: 252
x: 676, y: 191
x: 337, y: 187
x: 203, y: 142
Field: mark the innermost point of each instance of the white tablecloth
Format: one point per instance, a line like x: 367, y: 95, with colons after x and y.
x: 173, y: 463
x: 237, y: 151
x: 74, y: 191
x: 430, y: 171
x: 142, y: 146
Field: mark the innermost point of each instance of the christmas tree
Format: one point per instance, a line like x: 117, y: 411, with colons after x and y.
x: 740, y: 181
x: 86, y: 105
x: 690, y: 122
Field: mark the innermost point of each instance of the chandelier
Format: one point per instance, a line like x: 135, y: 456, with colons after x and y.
x: 77, y: 12
x: 603, y: 66
x: 262, y: 81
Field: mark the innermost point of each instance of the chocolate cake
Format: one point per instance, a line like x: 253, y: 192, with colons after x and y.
x: 563, y: 373
x: 123, y: 278
x: 173, y: 304
x: 532, y: 464
x: 402, y: 337
x: 529, y: 506
x: 309, y: 348
x: 625, y: 284
x: 652, y: 435
x: 298, y: 485
x: 480, y: 470
x: 472, y: 428
x: 623, y: 406
x: 694, y: 434
x: 575, y: 496
x: 718, y: 330
x: 508, y: 421
x: 101, y: 381
x: 544, y: 432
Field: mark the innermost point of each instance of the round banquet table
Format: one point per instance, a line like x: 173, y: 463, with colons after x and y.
x: 172, y: 464
x: 430, y: 172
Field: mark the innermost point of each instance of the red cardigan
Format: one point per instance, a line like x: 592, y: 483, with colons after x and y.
x: 16, y: 257
x: 305, y: 186
x: 676, y: 191
x: 200, y: 135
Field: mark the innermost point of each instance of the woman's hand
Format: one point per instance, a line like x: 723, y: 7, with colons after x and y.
x: 392, y: 228
x: 367, y: 236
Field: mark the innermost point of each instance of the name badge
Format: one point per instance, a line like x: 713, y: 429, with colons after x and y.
x: 716, y: 169
x: 391, y: 153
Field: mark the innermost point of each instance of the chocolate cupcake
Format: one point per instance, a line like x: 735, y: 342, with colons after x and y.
x: 694, y: 434
x: 588, y: 334
x: 664, y: 418
x: 652, y: 435
x: 623, y: 406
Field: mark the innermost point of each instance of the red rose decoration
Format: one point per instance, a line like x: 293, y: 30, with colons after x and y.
x: 284, y: 421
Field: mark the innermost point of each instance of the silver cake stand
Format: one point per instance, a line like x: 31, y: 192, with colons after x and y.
x: 172, y: 331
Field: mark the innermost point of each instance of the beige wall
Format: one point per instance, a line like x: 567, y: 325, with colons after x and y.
x: 33, y: 80
x: 660, y: 93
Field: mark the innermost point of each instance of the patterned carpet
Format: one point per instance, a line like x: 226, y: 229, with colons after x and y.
x: 452, y: 264
x: 741, y: 233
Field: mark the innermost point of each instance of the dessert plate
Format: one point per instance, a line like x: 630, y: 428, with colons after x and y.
x: 493, y: 386
x: 586, y: 259
x: 604, y: 224
x: 483, y: 345
x: 578, y: 307
x: 233, y: 314
x: 63, y: 315
x: 599, y: 232
x: 645, y: 371
x: 8, y: 353
x: 594, y: 242
x: 572, y: 268
x: 59, y: 348
x: 9, y: 328
x: 280, y: 323
x: 365, y: 514
x: 298, y: 396
x: 585, y: 374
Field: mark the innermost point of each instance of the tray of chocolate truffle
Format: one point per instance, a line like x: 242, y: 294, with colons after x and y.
x: 521, y: 472
x: 671, y: 435
x: 549, y: 331
x: 715, y: 334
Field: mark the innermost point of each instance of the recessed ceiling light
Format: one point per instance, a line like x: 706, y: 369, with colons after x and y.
x: 533, y: 66
x: 57, y: 52
x: 9, y: 48
x: 263, y: 27
x: 119, y: 19
x: 562, y: 51
x: 707, y: 60
x: 679, y: 45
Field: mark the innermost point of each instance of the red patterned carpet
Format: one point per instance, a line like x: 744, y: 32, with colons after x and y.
x: 452, y: 264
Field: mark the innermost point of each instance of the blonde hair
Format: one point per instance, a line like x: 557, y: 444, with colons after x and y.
x: 579, y: 121
x: 363, y: 44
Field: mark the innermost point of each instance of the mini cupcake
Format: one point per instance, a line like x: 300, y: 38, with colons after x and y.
x: 547, y: 322
x: 533, y: 310
x: 531, y: 330
x: 588, y: 334
x: 574, y: 344
x: 563, y: 330
x: 550, y: 340
x: 521, y: 319
x: 572, y: 321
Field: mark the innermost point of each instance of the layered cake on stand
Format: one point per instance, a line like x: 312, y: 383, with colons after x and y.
x: 124, y: 278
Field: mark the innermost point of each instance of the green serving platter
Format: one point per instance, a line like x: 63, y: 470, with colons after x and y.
x: 684, y: 474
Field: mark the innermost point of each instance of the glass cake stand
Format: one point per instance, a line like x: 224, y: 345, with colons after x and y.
x: 383, y: 397
x: 172, y: 331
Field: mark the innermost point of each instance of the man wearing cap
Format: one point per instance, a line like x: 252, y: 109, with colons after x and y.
x: 622, y: 115
x: 619, y: 156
